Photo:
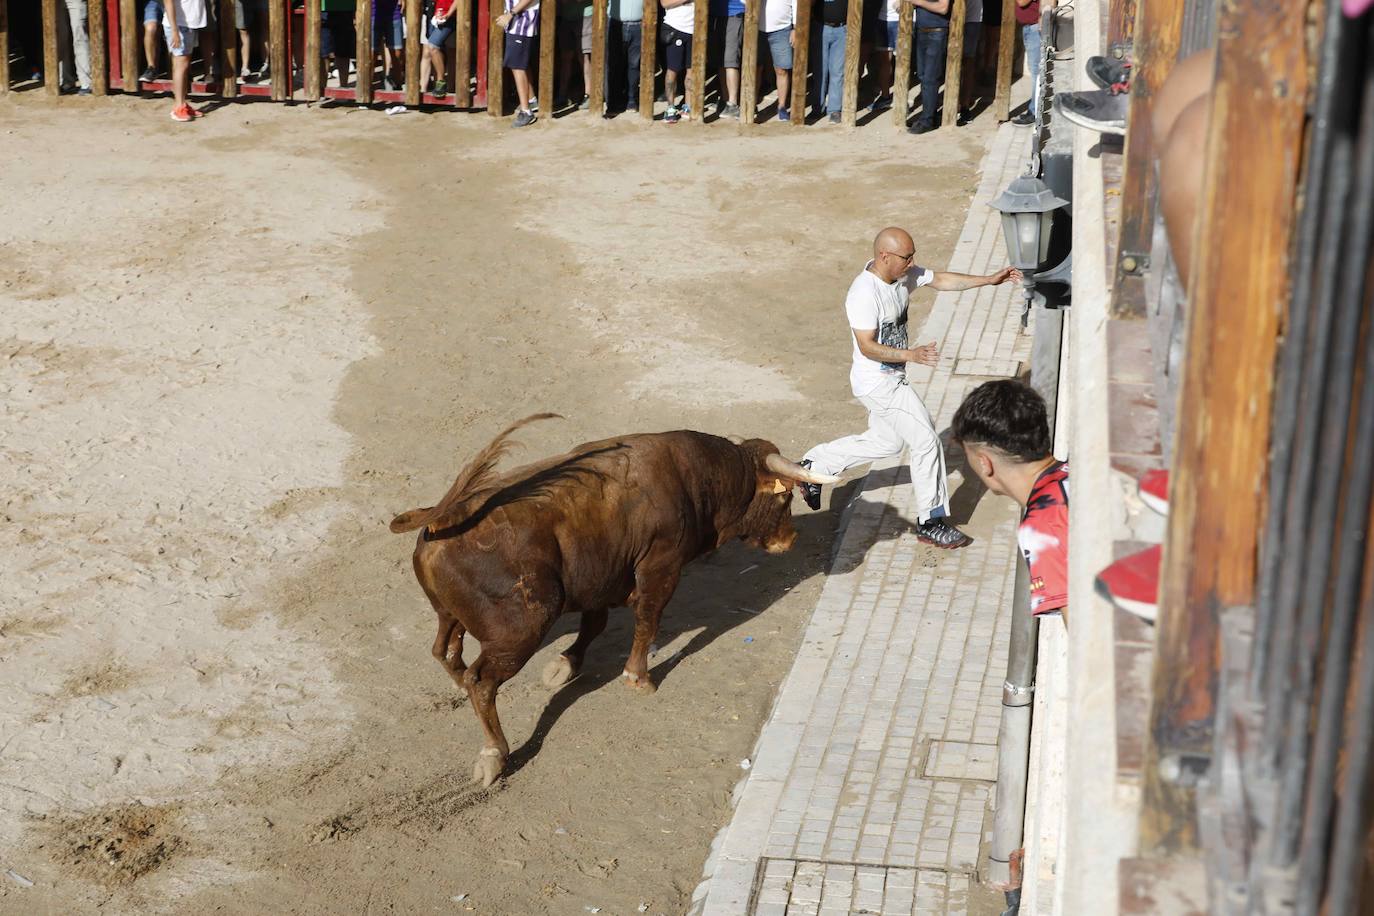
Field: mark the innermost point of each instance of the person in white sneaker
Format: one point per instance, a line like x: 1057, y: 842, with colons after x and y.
x: 876, y: 306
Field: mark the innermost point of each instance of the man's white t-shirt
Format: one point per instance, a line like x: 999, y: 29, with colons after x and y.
x: 682, y: 18
x: 778, y: 14
x: 873, y: 305
x: 190, y: 14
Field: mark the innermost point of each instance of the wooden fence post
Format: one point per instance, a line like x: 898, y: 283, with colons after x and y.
x: 462, y: 62
x: 413, y: 50
x: 749, y: 64
x: 1006, y: 50
x: 853, y: 40
x: 548, y: 54
x: 596, y: 92
x: 98, y: 30
x: 901, y: 74
x: 801, y: 59
x: 1160, y: 30
x: 1240, y: 281
x: 954, y: 63
x: 496, y: 52
x: 648, y: 59
x: 278, y: 27
x: 363, y: 56
x: 52, y: 85
x: 310, y: 54
x: 701, y: 37
x: 228, y: 51
x: 5, y: 47
x: 128, y: 45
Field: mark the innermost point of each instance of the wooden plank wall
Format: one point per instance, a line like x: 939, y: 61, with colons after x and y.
x: 1240, y: 280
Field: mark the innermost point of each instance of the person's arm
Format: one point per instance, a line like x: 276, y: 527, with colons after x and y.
x: 949, y: 281
x: 938, y: 7
x: 926, y: 354
x: 504, y: 19
x: 173, y: 36
x: 1024, y: 3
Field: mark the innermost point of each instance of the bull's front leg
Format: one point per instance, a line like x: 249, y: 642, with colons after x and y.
x: 653, y: 589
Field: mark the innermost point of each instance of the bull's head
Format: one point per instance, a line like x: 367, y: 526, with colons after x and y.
x: 768, y: 521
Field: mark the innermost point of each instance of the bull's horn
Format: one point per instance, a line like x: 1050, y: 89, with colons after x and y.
x: 736, y: 440
x: 785, y: 468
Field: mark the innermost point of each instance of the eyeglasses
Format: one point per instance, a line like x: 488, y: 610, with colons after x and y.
x: 904, y: 258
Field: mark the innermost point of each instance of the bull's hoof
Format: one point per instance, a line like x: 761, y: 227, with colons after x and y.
x: 643, y: 684
x: 559, y: 672
x: 489, y: 765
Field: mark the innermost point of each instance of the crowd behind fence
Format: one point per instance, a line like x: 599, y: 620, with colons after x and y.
x: 281, y: 49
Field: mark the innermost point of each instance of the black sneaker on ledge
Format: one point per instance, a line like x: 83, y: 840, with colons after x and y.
x: 939, y: 533
x: 811, y: 492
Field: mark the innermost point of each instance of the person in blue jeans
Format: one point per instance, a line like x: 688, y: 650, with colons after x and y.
x: 932, y: 39
x: 625, y: 38
x: 834, y: 14
x: 1028, y: 16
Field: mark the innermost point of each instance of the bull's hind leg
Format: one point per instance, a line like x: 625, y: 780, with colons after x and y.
x: 448, y: 648
x: 567, y: 666
x: 653, y: 589
x: 487, y: 673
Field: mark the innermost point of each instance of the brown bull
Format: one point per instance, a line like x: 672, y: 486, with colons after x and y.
x: 608, y: 524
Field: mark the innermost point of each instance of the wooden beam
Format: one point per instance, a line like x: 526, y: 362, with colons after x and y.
x: 1006, y: 61
x: 129, y: 31
x: 801, y: 58
x: 363, y: 56
x: 901, y: 74
x: 230, y: 66
x: 596, y: 92
x: 548, y: 54
x: 1240, y: 279
x: 98, y: 30
x: 954, y: 63
x: 496, y: 52
x: 701, y: 37
x: 749, y: 65
x: 1121, y: 26
x: 648, y: 59
x: 413, y: 50
x: 314, y: 77
x: 462, y: 57
x: 5, y: 47
x: 853, y: 40
x: 52, y: 84
x: 1155, y: 51
x: 277, y: 27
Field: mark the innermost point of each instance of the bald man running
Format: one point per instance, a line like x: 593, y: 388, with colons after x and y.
x: 877, y: 308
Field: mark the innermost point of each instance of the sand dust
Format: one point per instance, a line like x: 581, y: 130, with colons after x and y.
x: 230, y: 352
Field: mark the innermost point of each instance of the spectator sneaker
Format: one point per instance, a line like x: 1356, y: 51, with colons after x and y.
x: 834, y: 117
x: 1132, y: 583
x: 672, y: 115
x: 1096, y: 109
x: 1154, y: 491
x: 183, y: 113
x: 784, y: 114
x: 84, y: 90
x: 1024, y: 119
x: 881, y: 103
x: 392, y: 85
x: 730, y: 111
x: 523, y: 119
x: 534, y: 103
x: 195, y: 112
x: 147, y: 76
x: 939, y: 533
x: 921, y: 127
x: 811, y: 492
x: 1109, y: 73
x: 440, y: 89
x: 265, y: 73
x: 585, y: 104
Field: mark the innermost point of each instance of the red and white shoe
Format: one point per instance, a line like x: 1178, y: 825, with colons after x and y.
x: 1154, y: 491
x: 195, y: 112
x: 1132, y: 583
x: 182, y: 113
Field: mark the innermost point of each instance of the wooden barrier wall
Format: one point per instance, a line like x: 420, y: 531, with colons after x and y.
x: 294, y: 40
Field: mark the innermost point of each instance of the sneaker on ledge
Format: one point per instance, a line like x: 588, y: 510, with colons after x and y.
x: 1154, y: 491
x: 1109, y: 73
x: 811, y: 492
x: 1132, y: 583
x: 939, y: 533
x: 1024, y: 119
x: 1096, y: 109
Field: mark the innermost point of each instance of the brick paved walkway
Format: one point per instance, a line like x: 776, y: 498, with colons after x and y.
x: 870, y: 789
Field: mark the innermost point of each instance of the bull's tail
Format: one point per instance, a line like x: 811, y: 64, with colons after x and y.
x: 479, y: 471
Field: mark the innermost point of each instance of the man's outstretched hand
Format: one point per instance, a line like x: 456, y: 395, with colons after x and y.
x: 1005, y: 274
x: 926, y: 355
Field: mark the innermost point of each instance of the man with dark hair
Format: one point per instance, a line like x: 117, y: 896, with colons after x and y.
x: 876, y: 307
x: 1005, y: 434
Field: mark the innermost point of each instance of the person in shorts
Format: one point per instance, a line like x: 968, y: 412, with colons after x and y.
x: 180, y: 20
x: 152, y: 38
x: 443, y: 26
x: 726, y: 43
x: 338, y: 38
x: 679, y: 17
x: 778, y: 17
x: 388, y: 37
x: 574, y: 43
x: 521, y: 22
x: 1004, y: 430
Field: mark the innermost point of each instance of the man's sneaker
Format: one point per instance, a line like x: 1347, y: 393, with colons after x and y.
x: 585, y: 104
x: 881, y: 103
x: 147, y: 76
x: 1024, y: 119
x: 672, y: 115
x: 265, y: 73
x: 921, y: 127
x: 84, y: 90
x: 440, y: 89
x: 834, y: 117
x: 1154, y: 491
x: 182, y: 113
x: 1096, y: 109
x: 523, y: 119
x: 784, y: 114
x: 730, y: 111
x: 1109, y: 73
x: 391, y: 85
x: 195, y: 112
x: 534, y: 103
x: 1132, y: 583
x: 811, y: 492
x: 940, y: 533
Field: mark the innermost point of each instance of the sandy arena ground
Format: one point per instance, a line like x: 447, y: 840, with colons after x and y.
x: 231, y: 351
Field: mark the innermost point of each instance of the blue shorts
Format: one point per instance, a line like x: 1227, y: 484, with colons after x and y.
x: 440, y: 36
x: 780, y: 47
x: 890, y: 33
x: 390, y: 33
x: 188, y: 40
x: 152, y: 11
